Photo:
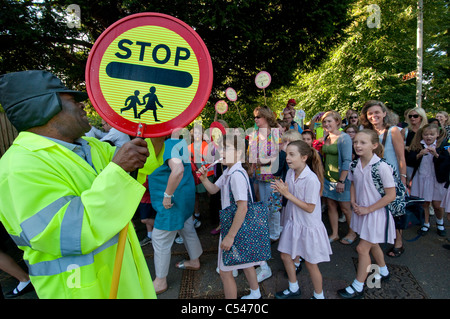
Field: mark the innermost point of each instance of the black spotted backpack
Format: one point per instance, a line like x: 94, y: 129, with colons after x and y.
x: 397, y: 206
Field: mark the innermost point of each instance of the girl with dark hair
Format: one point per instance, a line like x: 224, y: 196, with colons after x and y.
x: 304, y: 233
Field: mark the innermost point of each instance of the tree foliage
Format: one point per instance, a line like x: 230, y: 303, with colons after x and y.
x: 243, y: 37
x: 370, y: 62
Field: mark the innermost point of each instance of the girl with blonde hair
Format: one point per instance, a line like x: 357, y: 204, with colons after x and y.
x: 428, y: 156
x: 369, y: 218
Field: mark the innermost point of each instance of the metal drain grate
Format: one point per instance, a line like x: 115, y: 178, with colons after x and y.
x: 402, y: 285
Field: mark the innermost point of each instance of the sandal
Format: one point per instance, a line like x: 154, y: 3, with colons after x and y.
x: 161, y: 291
x: 332, y: 240
x: 181, y: 265
x: 347, y: 241
x: 395, y: 252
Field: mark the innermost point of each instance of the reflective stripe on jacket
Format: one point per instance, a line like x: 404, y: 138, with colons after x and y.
x: 66, y: 216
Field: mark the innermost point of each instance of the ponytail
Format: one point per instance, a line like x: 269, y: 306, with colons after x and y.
x: 316, y: 165
x: 379, y: 151
x: 314, y: 161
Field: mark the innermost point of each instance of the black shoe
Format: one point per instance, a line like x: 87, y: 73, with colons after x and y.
x: 423, y: 230
x: 15, y: 293
x: 282, y: 295
x: 354, y: 295
x: 441, y: 233
x: 385, y: 278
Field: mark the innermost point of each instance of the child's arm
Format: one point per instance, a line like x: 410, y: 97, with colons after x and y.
x: 352, y: 194
x: 283, y: 188
x: 210, y: 187
x: 238, y: 219
x: 386, y: 199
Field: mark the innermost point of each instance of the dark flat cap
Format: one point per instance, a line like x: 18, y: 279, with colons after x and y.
x: 30, y: 98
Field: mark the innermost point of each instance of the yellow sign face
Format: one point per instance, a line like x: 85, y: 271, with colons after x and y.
x: 149, y: 74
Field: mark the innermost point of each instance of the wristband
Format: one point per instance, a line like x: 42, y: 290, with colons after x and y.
x: 403, y: 175
x: 167, y: 195
x: 342, y: 182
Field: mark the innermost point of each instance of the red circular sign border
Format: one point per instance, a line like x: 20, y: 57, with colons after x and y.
x: 116, y: 29
x: 260, y: 86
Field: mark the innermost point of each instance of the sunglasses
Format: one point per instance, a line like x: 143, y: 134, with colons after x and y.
x: 354, y: 117
x: 257, y: 117
x: 416, y: 116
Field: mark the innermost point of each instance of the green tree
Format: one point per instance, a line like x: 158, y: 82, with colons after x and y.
x: 243, y: 37
x: 436, y: 59
x: 369, y: 63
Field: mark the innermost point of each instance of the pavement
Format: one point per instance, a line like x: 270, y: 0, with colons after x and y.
x: 422, y: 272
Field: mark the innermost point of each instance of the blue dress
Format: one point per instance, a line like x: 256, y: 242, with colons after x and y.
x: 184, y: 196
x: 389, y: 151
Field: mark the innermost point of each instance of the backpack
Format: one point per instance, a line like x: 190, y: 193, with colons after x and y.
x: 397, y: 206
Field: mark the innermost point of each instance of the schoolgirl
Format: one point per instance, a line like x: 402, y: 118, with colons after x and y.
x: 304, y: 233
x: 369, y: 217
x: 236, y: 177
x: 428, y: 157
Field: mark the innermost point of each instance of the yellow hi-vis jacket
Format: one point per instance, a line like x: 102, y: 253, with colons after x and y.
x: 66, y: 216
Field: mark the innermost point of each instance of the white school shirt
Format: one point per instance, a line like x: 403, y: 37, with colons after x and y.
x: 239, y: 185
x: 305, y: 187
x: 365, y: 190
x: 426, y: 168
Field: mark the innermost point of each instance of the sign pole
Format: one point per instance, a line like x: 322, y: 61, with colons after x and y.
x: 262, y: 80
x: 122, y: 238
x: 265, y: 101
x: 143, y: 61
x: 419, y: 53
x: 240, y: 116
x: 118, y: 262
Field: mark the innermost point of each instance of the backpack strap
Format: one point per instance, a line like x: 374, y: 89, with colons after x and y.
x: 353, y: 166
x: 249, y: 196
x: 376, y: 178
x: 385, y: 134
x: 379, y: 186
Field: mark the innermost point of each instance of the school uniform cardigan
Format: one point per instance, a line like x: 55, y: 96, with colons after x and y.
x: 441, y: 163
x: 345, y: 145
